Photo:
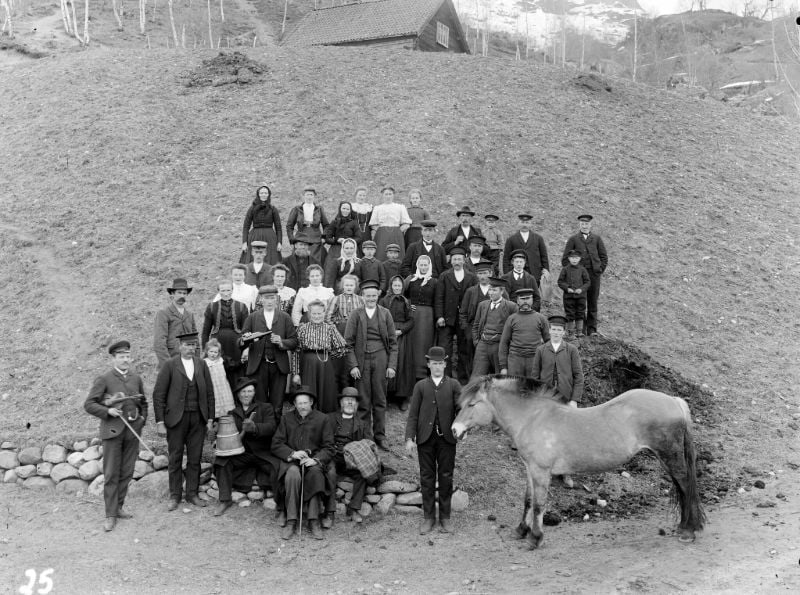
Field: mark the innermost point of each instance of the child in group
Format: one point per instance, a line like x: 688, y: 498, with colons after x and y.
x: 418, y: 215
x: 392, y: 264
x: 337, y: 313
x: 223, y: 395
x: 494, y: 242
x: 401, y: 386
x: 574, y: 282
x: 371, y: 267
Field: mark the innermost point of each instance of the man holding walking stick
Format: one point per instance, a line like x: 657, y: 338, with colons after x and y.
x: 117, y: 398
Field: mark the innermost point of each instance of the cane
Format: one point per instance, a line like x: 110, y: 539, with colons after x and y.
x: 125, y: 421
x: 302, y: 486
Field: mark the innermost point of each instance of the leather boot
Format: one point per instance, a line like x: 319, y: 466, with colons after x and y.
x: 316, y: 529
x: 579, y: 328
x: 288, y: 530
x: 426, y: 526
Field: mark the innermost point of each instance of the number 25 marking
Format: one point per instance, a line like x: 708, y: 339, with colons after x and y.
x: 45, y: 580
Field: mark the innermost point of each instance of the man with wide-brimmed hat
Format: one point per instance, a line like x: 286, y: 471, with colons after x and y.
x: 304, y: 445
x: 115, y: 396
x: 432, y: 411
x: 268, y: 335
x: 256, y: 425
x: 488, y: 328
x: 463, y: 231
x: 172, y: 321
x: 298, y: 261
x: 183, y: 403
x: 523, y: 332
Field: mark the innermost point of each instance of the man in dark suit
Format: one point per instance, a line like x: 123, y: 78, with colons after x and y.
x: 428, y: 247
x: 594, y: 259
x: 259, y: 272
x: 469, y: 307
x: 450, y: 290
x: 462, y: 232
x: 172, y: 321
x: 267, y: 356
x: 487, y: 329
x: 115, y: 396
x: 533, y: 245
x: 517, y: 278
x: 299, y: 261
x: 431, y: 413
x: 183, y: 402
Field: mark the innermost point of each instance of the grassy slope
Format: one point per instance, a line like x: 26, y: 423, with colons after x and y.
x: 116, y: 179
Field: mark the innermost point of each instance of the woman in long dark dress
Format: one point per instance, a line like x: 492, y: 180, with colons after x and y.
x: 402, y: 385
x: 308, y: 219
x: 266, y: 227
x: 318, y: 342
x: 420, y: 291
x: 223, y: 320
x: 343, y: 227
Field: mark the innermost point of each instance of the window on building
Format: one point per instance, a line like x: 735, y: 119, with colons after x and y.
x: 442, y: 34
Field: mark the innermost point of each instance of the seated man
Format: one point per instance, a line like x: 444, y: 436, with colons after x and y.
x: 255, y: 422
x: 348, y: 428
x: 304, y: 444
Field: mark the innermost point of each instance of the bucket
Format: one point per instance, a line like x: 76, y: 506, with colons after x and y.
x: 228, y: 441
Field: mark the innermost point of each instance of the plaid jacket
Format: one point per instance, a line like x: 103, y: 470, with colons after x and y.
x: 363, y: 455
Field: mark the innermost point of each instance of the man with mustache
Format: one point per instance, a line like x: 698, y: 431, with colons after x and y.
x: 523, y: 332
x: 172, y: 321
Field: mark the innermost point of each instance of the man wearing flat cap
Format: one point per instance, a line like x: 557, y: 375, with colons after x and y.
x: 523, y: 332
x: 594, y: 259
x: 432, y: 411
x: 304, y: 445
x: 259, y: 272
x: 256, y: 425
x: 268, y: 335
x: 519, y: 278
x: 533, y: 244
x: 488, y: 328
x: 458, y: 235
x: 475, y: 245
x: 450, y: 290
x: 183, y: 403
x: 172, y: 321
x: 117, y: 397
x: 427, y: 246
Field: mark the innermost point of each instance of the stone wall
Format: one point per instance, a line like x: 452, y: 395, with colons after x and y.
x: 79, y: 470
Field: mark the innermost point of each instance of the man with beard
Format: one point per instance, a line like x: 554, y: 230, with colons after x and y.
x: 522, y: 335
x: 461, y: 233
x: 183, y: 402
x: 450, y: 290
x: 172, y: 321
x: 299, y: 261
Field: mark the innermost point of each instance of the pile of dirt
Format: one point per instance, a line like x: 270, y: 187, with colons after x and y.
x: 225, y: 69
x: 592, y: 82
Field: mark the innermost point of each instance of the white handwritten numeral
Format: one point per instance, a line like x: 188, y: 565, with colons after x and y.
x: 45, y: 582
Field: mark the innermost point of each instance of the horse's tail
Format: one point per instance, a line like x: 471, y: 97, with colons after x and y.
x: 687, y: 497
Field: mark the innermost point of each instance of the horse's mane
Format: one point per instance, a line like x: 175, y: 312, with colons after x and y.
x: 528, y: 388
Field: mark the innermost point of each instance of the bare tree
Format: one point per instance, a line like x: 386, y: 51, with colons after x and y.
x: 8, y: 24
x: 210, y: 33
x: 172, y: 23
x: 142, y: 15
x: 86, y: 23
x: 117, y: 14
x: 222, y: 10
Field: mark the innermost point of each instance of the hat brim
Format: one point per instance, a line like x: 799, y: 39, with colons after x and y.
x: 470, y: 213
x: 171, y: 290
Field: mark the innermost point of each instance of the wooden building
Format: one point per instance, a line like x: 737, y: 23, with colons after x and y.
x: 426, y: 25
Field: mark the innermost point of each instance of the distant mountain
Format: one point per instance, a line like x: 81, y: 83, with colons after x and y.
x: 604, y: 20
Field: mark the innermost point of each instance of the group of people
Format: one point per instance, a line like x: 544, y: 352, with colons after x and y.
x: 368, y: 306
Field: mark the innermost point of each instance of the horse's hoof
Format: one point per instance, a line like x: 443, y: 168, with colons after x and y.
x: 686, y: 537
x: 533, y: 541
x: 521, y: 531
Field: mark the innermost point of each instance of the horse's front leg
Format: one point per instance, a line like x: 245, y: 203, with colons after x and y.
x: 540, y: 483
x: 524, y: 527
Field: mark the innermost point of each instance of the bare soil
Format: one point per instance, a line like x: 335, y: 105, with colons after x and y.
x: 117, y: 177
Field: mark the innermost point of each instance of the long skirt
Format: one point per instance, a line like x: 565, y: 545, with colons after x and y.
x: 317, y: 248
x: 402, y: 385
x: 321, y: 377
x: 264, y: 234
x: 422, y: 339
x: 413, y: 234
x: 231, y: 353
x: 389, y: 235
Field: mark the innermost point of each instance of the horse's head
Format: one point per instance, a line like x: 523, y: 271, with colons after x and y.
x: 476, y: 410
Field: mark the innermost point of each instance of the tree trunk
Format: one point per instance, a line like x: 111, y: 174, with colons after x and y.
x: 75, y: 22
x: 65, y: 17
x: 117, y: 15
x: 86, y: 23
x: 142, y: 16
x: 7, y: 21
x: 172, y: 23
x: 222, y: 10
x: 210, y: 33
x: 285, y: 10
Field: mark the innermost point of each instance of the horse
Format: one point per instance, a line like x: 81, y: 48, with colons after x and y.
x: 555, y: 439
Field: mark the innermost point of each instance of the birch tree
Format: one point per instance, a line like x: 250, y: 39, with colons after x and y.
x: 8, y: 24
x: 172, y: 23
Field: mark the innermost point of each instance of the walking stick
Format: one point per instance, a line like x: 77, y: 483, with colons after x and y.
x: 302, y: 486
x: 125, y: 421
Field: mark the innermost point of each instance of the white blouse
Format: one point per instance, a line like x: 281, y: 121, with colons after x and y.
x: 390, y: 215
x: 305, y: 296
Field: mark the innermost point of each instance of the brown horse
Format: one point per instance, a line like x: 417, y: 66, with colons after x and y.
x: 554, y: 439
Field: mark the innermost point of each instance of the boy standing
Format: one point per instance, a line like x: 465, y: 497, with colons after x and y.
x: 371, y: 267
x: 430, y: 415
x: 494, y: 242
x: 574, y: 282
x: 392, y: 264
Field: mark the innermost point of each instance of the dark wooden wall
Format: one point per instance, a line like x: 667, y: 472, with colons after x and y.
x: 427, y: 39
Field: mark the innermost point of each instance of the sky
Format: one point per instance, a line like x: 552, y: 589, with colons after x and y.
x: 659, y: 7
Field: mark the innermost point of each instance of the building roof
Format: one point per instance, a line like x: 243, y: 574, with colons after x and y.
x: 378, y: 19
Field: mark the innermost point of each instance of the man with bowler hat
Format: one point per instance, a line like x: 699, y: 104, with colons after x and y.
x: 304, y: 439
x: 268, y: 355
x: 431, y: 413
x: 183, y: 402
x: 115, y: 396
x: 458, y: 235
x: 488, y: 328
x: 172, y: 321
x: 594, y: 259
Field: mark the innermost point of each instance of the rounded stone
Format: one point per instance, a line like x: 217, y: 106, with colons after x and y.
x: 64, y: 471
x: 146, y: 455
x: 269, y: 504
x: 153, y: 485
x: 141, y: 468
x: 386, y: 503
x: 10, y: 476
x: 213, y: 492
x: 72, y: 486
x: 80, y: 445
x: 8, y: 459
x: 459, y: 501
x: 92, y: 453
x: 76, y: 459
x: 237, y: 496
x: 410, y: 499
x: 372, y: 498
x: 366, y: 509
x: 26, y: 471
x: 406, y: 509
x: 160, y: 462
x: 8, y: 446
x: 255, y: 495
x: 44, y: 469
x: 39, y: 482
x: 54, y: 453
x: 90, y: 469
x: 97, y: 486
x: 30, y: 456
x: 244, y: 503
x: 398, y: 487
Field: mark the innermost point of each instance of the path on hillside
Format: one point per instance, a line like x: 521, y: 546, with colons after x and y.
x: 266, y: 37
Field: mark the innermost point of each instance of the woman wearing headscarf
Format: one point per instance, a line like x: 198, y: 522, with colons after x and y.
x: 389, y: 221
x: 421, y: 291
x: 266, y: 227
x: 308, y: 219
x: 402, y: 385
x: 347, y: 263
x: 343, y: 227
